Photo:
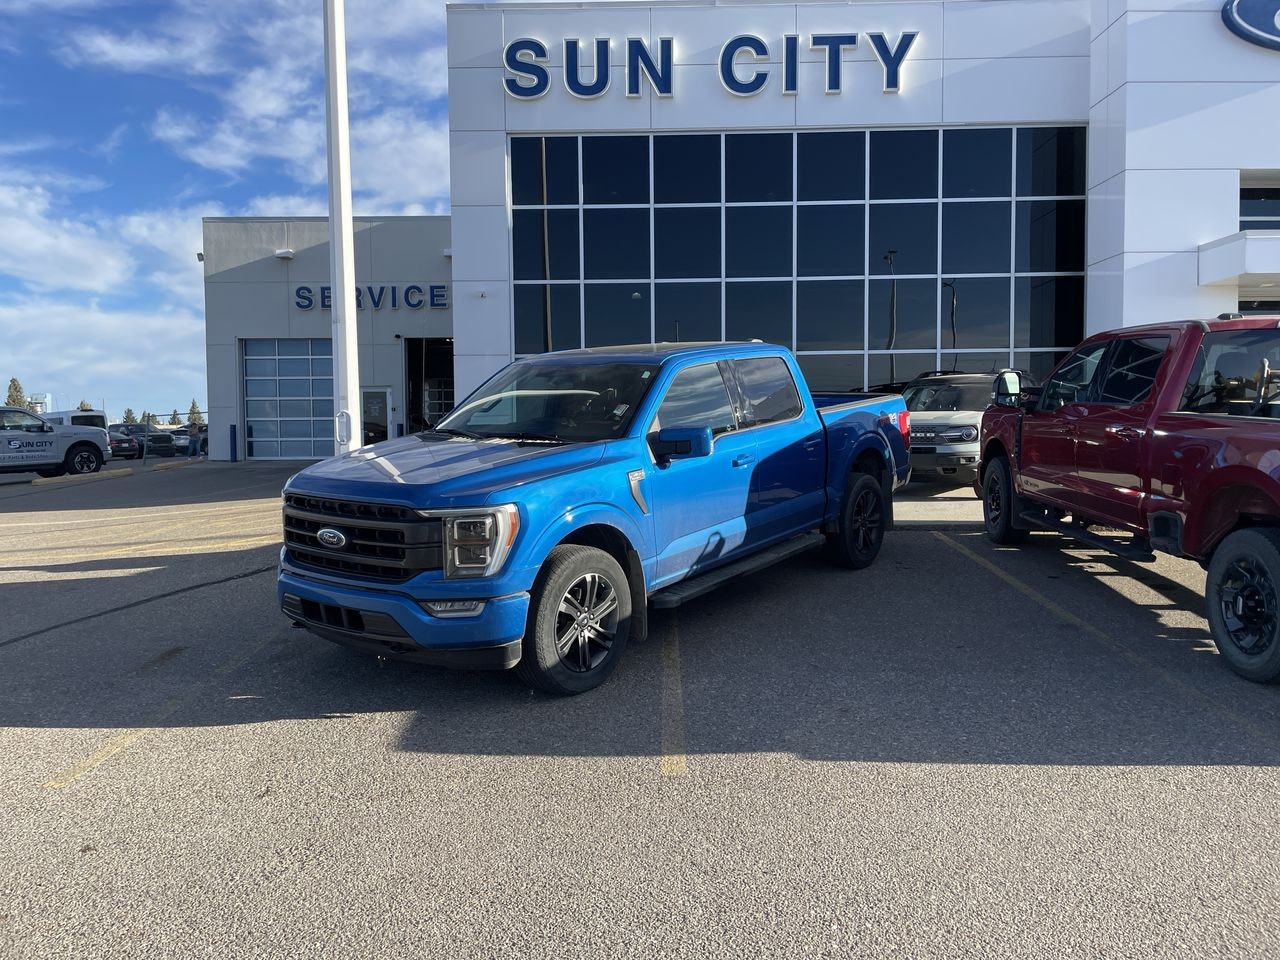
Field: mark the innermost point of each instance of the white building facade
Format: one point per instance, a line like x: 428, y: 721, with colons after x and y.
x: 885, y: 188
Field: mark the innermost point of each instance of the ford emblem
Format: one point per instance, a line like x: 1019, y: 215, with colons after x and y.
x: 331, y: 538
x: 1257, y: 21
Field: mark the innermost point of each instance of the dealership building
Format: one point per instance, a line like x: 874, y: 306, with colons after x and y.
x: 884, y: 188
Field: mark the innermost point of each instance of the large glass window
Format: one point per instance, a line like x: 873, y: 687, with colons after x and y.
x: 868, y: 252
x: 288, y: 406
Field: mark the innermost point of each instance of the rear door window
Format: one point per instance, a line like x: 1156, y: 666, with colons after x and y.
x: 1236, y: 373
x: 1131, y: 372
x: 768, y: 389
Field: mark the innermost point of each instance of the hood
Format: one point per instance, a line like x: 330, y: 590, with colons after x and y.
x: 432, y: 470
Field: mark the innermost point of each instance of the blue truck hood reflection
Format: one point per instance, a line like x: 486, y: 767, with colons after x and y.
x: 431, y: 470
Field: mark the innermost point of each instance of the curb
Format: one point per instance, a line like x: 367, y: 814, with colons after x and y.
x: 174, y: 466
x: 100, y: 475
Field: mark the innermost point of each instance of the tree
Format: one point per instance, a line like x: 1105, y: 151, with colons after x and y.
x: 148, y: 418
x: 174, y: 419
x: 194, y: 415
x: 17, y: 396
x: 129, y: 415
x: 85, y: 405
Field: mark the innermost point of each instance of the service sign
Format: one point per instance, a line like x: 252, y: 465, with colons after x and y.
x: 742, y: 64
x: 383, y: 296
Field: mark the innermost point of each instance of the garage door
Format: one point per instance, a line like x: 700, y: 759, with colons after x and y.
x: 288, y: 399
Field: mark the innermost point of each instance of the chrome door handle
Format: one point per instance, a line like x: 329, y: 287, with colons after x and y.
x: 745, y: 460
x: 1127, y: 433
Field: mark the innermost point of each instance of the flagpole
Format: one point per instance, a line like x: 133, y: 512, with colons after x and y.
x: 346, y: 351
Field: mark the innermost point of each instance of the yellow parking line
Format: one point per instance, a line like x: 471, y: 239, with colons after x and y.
x: 1106, y: 640
x: 673, y: 763
x: 128, y: 737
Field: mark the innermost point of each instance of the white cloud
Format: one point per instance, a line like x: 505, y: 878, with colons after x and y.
x: 46, y: 251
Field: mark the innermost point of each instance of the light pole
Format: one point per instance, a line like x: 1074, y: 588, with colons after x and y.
x: 954, y: 356
x: 893, y: 314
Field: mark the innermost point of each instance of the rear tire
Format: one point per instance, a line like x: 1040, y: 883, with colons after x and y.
x: 83, y: 459
x: 579, y: 621
x: 1242, y: 600
x: 861, y: 524
x: 998, y: 503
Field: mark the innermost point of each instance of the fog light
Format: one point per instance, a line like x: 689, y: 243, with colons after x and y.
x: 453, y: 608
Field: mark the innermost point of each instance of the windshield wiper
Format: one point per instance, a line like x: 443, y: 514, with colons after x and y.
x: 455, y: 432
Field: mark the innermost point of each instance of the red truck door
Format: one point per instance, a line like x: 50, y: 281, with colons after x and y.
x: 1047, y: 466
x: 1112, y: 436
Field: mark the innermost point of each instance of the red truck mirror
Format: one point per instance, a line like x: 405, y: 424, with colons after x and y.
x: 1008, y: 388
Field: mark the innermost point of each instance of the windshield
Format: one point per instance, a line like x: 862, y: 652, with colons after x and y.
x: 949, y: 395
x: 539, y: 401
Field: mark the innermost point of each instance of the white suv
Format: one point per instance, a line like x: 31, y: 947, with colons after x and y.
x: 29, y: 443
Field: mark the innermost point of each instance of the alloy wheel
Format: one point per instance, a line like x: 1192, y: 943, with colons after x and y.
x: 864, y: 520
x: 586, y: 622
x: 83, y: 462
x: 1249, y: 606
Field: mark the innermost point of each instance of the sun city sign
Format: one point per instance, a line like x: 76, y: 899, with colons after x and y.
x: 741, y: 72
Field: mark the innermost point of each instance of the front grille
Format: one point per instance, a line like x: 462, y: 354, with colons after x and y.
x: 383, y: 541
x: 342, y: 618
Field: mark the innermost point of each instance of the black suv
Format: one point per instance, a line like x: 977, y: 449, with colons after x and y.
x: 151, y: 442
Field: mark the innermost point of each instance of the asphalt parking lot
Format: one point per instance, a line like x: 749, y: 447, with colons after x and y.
x: 963, y: 751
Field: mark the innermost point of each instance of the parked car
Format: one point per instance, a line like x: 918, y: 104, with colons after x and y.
x: 1170, y: 434
x: 536, y: 523
x: 946, y: 418
x: 153, y: 441
x: 123, y: 446
x: 182, y: 441
x: 29, y: 443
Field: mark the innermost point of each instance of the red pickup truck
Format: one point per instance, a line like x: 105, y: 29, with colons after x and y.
x: 1170, y: 434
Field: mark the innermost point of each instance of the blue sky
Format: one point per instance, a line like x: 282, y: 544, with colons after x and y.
x: 123, y: 123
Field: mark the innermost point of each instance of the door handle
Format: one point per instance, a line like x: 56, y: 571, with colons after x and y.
x: 812, y: 443
x: 744, y: 460
x: 1127, y: 433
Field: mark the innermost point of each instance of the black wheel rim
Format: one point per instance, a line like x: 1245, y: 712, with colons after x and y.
x: 587, y: 622
x: 864, y: 521
x: 83, y: 462
x: 995, y: 502
x: 1249, y: 609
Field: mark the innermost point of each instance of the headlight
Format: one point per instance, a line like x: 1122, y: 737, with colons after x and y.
x: 477, y: 542
x: 960, y: 435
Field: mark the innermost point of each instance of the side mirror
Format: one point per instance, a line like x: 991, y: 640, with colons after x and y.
x: 681, y: 443
x: 48, y: 428
x: 1008, y: 388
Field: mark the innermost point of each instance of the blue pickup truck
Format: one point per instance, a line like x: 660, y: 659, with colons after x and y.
x: 537, y: 523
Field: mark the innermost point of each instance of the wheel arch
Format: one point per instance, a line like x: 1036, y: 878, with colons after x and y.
x: 1236, y: 502
x: 606, y: 536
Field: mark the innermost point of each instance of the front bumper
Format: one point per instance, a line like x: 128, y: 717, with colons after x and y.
x: 396, y: 626
x: 954, y: 463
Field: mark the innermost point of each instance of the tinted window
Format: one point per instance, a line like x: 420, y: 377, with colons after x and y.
x: 1050, y: 236
x: 1132, y: 369
x: 906, y: 231
x: 545, y: 244
x: 697, y: 398
x: 757, y: 166
x: 833, y: 373
x: 830, y: 166
x: 1236, y: 372
x: 975, y: 312
x: 528, y: 185
x: 829, y: 241
x: 17, y: 420
x: 829, y: 315
x: 977, y: 163
x: 904, y: 164
x: 686, y: 312
x: 616, y: 313
x: 686, y: 242
x: 1051, y: 162
x: 615, y: 169
x: 758, y: 311
x: 1074, y: 381
x: 534, y: 303
x: 1048, y: 311
x: 942, y: 394
x: 686, y: 169
x: 757, y: 241
x: 769, y: 389
x: 975, y: 238
x: 903, y: 314
x: 615, y: 244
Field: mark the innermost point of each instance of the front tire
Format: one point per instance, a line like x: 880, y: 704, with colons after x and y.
x: 1242, y: 596
x: 998, y: 503
x: 579, y: 621
x: 860, y: 527
x: 83, y: 459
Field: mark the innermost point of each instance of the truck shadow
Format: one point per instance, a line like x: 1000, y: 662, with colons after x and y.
x: 921, y: 658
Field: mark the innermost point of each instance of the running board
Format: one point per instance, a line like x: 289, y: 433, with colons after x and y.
x: 1129, y: 551
x: 686, y: 590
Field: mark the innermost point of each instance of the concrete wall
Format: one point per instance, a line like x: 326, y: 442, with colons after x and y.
x: 249, y: 292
